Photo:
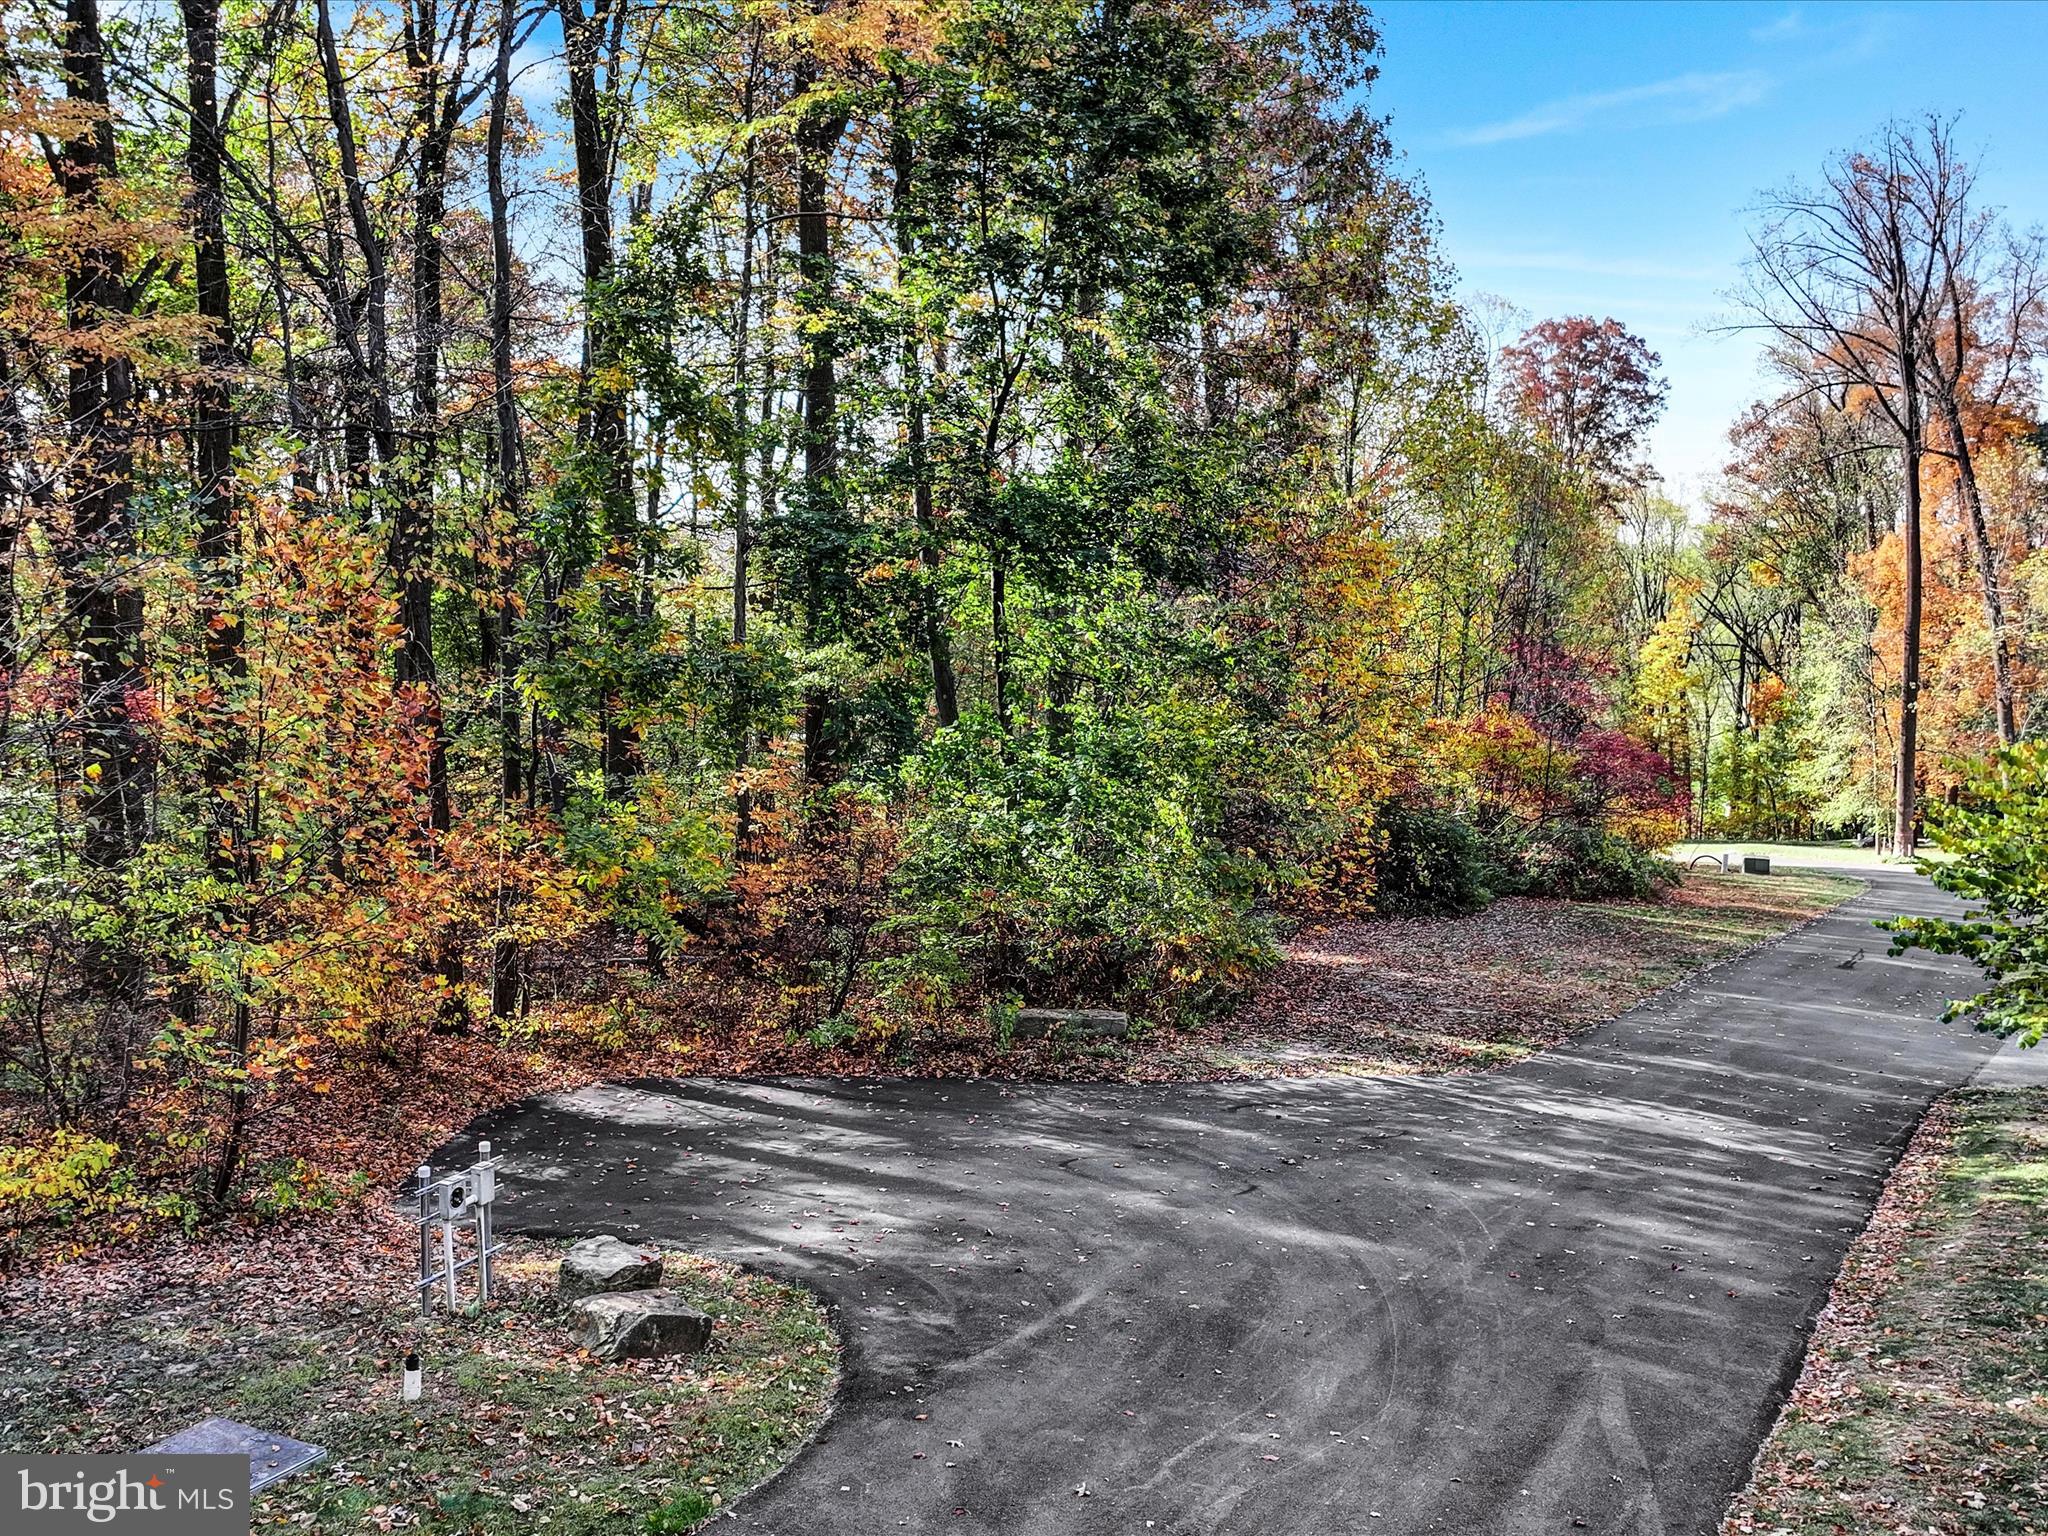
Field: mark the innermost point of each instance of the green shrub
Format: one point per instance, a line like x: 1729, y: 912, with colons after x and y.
x: 289, y: 1185
x: 58, y: 1179
x: 1427, y: 862
x: 1998, y: 834
x: 1583, y: 863
x: 1087, y: 874
x: 643, y: 860
x: 69, y: 1179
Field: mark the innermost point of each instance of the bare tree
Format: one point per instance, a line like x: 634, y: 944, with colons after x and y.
x: 1846, y: 277
x: 1979, y: 344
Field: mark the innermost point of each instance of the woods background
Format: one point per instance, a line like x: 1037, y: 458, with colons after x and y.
x: 577, y: 525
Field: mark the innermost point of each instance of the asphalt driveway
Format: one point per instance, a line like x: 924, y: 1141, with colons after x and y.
x: 1565, y: 1296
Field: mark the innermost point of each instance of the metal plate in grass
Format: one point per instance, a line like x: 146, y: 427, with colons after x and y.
x: 270, y: 1456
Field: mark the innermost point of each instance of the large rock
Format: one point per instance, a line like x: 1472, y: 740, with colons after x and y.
x: 1091, y: 1023
x: 600, y: 1264
x: 639, y: 1325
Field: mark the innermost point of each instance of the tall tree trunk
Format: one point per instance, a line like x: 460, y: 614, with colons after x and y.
x: 1907, y: 302
x: 742, y: 452
x: 938, y: 644
x: 435, y: 115
x: 219, y: 531
x: 591, y: 42
x: 508, y: 484
x: 1906, y: 784
x: 510, y: 479
x: 817, y: 138
x: 98, y: 550
x: 411, y: 548
x: 26, y: 487
x: 370, y: 420
x: 1987, y: 569
x: 13, y: 516
x: 742, y: 399
x: 213, y: 437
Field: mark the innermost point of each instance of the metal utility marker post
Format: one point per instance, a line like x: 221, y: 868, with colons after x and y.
x: 426, y: 1178
x: 443, y: 1202
x: 485, y: 1192
x: 448, y: 1258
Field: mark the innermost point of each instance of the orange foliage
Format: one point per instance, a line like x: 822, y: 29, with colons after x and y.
x: 349, y: 892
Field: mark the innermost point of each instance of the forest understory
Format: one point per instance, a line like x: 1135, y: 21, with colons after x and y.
x: 1371, y: 997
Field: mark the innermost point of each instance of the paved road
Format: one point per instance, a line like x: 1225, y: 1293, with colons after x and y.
x: 1565, y: 1296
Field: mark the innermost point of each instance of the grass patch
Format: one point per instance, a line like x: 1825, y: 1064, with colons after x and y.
x: 518, y: 1431
x: 1923, y: 1404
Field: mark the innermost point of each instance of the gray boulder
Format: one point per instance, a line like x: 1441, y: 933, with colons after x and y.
x: 1070, y: 1023
x: 639, y: 1325
x: 600, y: 1264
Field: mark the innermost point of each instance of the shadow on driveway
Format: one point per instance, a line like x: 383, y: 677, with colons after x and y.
x: 1566, y: 1295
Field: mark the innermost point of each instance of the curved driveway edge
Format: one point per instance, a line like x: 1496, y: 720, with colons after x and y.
x: 1568, y: 1295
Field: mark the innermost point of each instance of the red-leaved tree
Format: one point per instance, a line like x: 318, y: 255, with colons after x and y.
x: 1592, y: 387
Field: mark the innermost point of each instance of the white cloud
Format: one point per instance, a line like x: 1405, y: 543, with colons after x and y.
x: 540, y: 78
x: 1846, y: 33
x: 1788, y: 28
x: 1686, y: 98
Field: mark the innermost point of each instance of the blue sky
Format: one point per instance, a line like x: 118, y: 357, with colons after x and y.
x: 1599, y: 158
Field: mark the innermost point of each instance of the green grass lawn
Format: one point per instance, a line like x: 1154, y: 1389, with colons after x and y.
x: 1923, y: 1405
x: 1835, y: 855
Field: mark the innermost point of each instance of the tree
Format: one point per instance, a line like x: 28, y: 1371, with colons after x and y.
x: 922, y: 505
x: 821, y: 121
x: 498, y: 642
x: 1983, y: 335
x: 98, y: 547
x: 1592, y: 388
x: 1998, y: 832
x: 437, y: 49
x: 218, y: 540
x: 594, y: 47
x: 1847, y: 278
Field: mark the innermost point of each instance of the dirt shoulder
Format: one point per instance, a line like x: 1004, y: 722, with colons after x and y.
x: 1463, y: 994
x: 1401, y: 997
